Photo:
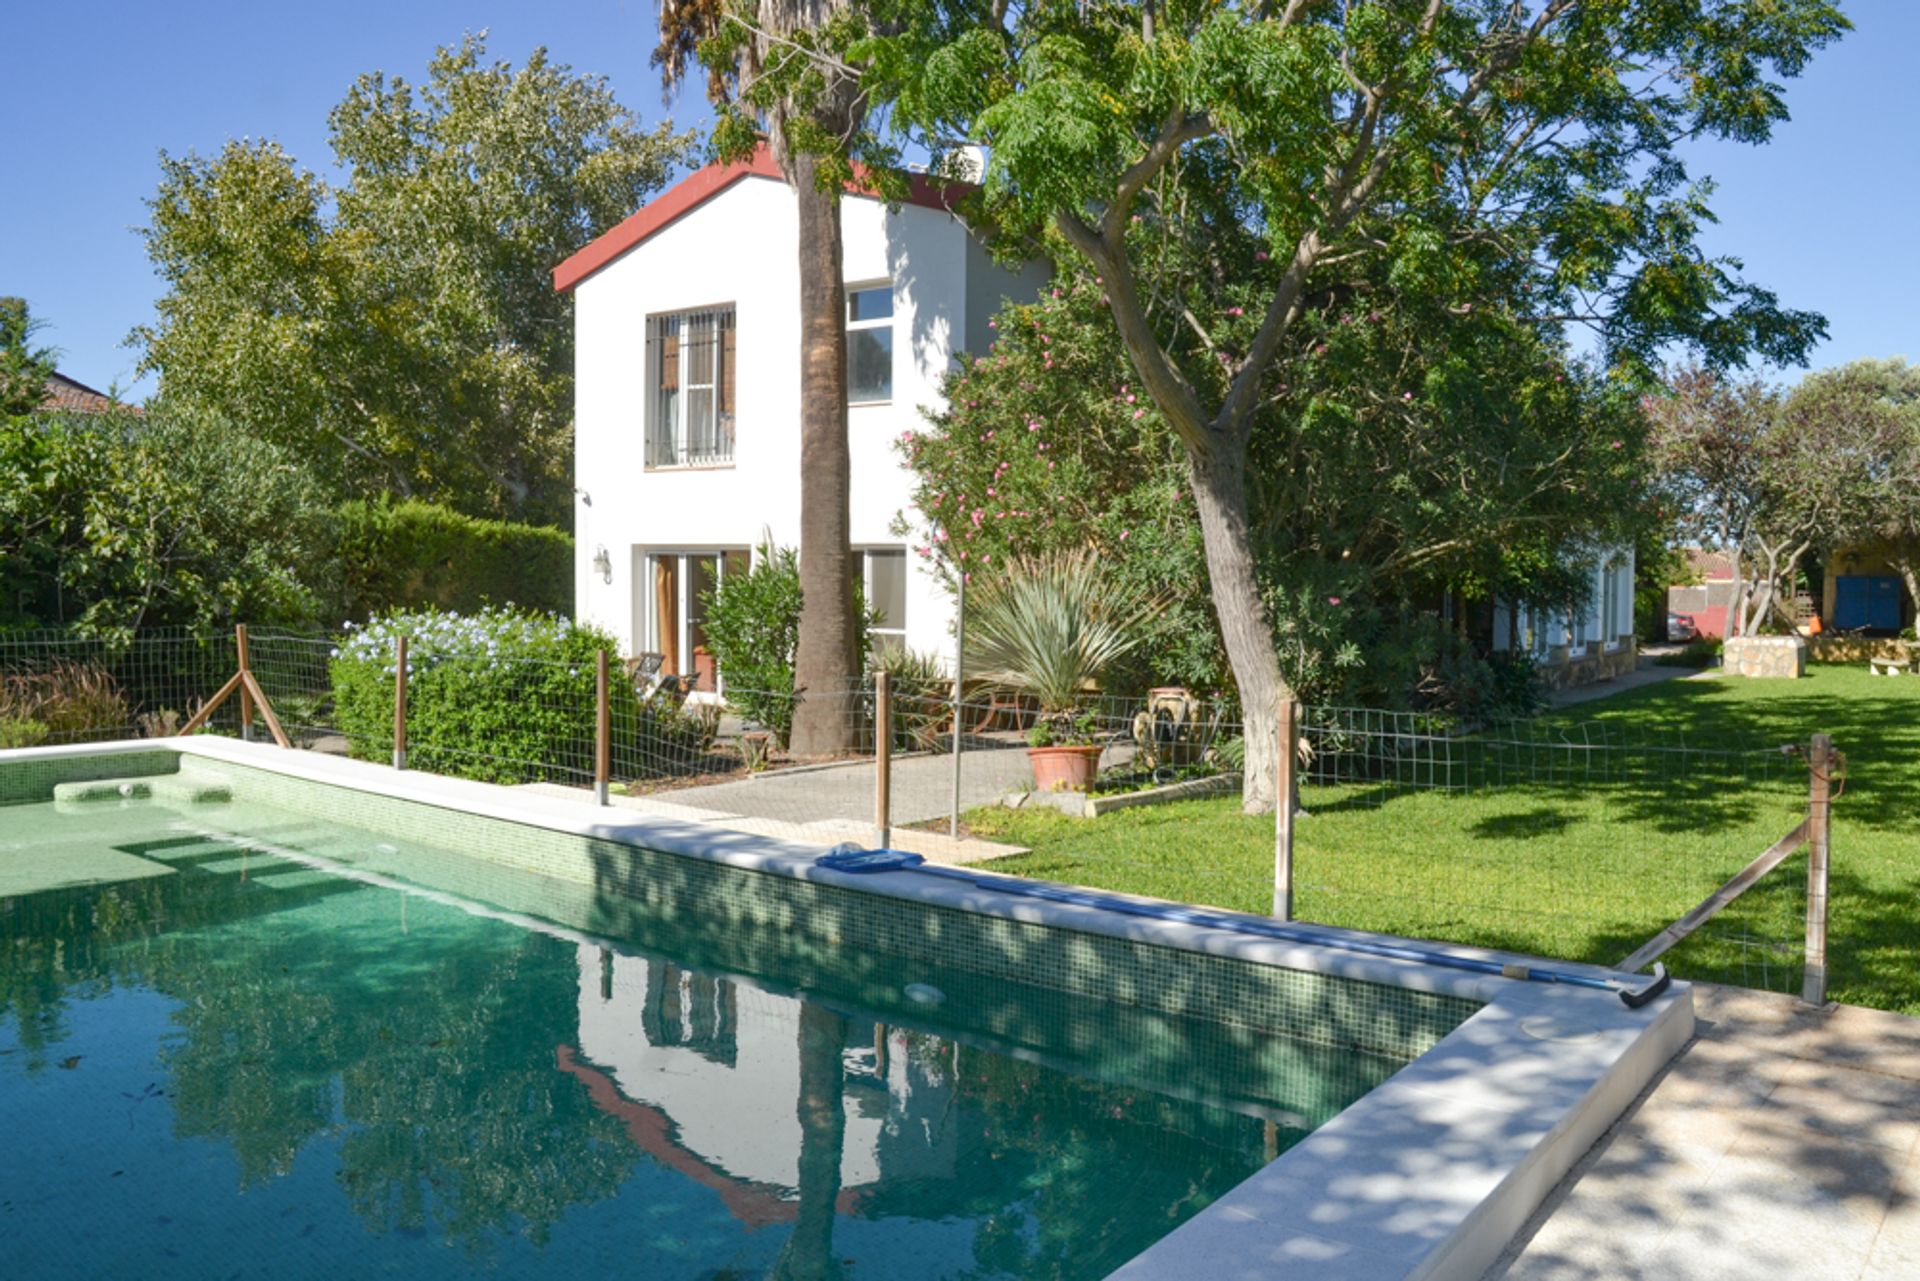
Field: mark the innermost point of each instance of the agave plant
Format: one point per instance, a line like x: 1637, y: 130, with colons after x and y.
x: 1050, y: 627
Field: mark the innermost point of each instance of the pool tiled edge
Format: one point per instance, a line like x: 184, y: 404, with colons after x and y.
x: 1427, y: 1176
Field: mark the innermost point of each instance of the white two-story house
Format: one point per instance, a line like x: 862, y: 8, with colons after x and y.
x: 687, y: 384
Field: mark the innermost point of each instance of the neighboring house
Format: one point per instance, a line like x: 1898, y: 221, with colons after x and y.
x: 1705, y: 601
x: 71, y: 396
x: 1863, y: 592
x: 687, y: 382
x: 1593, y: 642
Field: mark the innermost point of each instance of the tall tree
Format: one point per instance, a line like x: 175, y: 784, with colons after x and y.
x: 776, y: 71
x: 24, y: 368
x: 1868, y: 416
x: 1224, y: 170
x: 400, y: 331
x: 1770, y: 476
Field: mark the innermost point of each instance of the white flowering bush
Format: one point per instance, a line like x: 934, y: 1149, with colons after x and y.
x: 502, y: 695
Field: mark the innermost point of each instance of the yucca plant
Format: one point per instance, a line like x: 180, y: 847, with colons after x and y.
x: 1049, y: 628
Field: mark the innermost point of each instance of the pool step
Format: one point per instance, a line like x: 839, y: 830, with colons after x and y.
x: 168, y: 789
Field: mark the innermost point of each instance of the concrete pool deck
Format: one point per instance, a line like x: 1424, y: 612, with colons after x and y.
x: 1782, y: 1141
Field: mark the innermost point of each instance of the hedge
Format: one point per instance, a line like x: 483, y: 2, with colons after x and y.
x: 504, y: 696
x: 413, y: 554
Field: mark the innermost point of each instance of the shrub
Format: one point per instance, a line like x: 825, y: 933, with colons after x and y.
x: 922, y: 693
x: 21, y: 731
x: 413, y: 554
x: 502, y: 696
x: 752, y: 624
x: 66, y: 701
x: 1050, y: 626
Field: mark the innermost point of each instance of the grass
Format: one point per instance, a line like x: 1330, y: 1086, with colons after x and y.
x: 1583, y: 868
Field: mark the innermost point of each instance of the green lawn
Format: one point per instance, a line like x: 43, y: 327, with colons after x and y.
x: 1584, y: 867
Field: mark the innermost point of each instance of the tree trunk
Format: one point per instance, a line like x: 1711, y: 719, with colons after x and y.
x: 1220, y: 495
x: 808, y: 1254
x: 825, y: 664
x: 1907, y: 566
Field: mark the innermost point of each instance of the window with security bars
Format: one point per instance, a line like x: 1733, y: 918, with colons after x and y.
x: 690, y: 359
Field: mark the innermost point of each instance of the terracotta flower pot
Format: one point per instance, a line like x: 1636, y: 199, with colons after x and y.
x: 1064, y: 769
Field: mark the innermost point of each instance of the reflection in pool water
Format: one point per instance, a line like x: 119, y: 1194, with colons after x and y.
x: 222, y: 1062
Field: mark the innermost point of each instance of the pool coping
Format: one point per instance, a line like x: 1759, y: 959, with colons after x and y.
x: 1426, y: 1177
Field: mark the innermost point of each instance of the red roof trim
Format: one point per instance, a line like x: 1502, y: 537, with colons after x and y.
x: 703, y: 185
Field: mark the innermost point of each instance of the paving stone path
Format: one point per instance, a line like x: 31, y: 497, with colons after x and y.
x: 1784, y: 1142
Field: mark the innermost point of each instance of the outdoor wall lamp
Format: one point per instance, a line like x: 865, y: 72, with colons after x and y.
x: 603, y: 565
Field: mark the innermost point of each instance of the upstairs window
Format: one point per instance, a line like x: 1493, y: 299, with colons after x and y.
x: 870, y: 345
x: 690, y: 358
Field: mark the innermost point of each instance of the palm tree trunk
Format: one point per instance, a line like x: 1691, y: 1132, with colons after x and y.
x: 808, y: 1254
x: 825, y: 664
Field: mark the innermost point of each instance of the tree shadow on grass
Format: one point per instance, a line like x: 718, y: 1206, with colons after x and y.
x: 1525, y: 826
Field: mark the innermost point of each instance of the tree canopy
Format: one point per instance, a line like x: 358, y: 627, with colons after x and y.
x: 24, y: 368
x: 1237, y: 175
x: 399, y: 331
x: 1773, y: 476
x: 1417, y: 454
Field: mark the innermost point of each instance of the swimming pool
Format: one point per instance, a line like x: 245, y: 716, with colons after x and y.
x: 270, y: 1014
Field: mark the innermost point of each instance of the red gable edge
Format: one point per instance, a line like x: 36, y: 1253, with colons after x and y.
x: 703, y: 185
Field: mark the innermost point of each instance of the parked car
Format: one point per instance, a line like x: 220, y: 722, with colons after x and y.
x: 1680, y: 627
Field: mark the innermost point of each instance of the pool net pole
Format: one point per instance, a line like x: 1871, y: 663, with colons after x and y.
x: 959, y: 647
x: 882, y: 761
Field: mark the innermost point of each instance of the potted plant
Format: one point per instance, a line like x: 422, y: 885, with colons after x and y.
x: 1049, y: 627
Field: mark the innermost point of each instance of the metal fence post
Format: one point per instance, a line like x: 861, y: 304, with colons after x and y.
x: 882, y: 761
x: 959, y: 662
x: 1283, y: 808
x: 1813, y: 989
x: 400, y: 703
x: 602, y: 730
x: 246, y: 695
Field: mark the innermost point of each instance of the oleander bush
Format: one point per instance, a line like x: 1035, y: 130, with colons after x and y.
x: 503, y: 696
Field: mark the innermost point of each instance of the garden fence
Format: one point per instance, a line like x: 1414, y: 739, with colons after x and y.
x: 1556, y: 836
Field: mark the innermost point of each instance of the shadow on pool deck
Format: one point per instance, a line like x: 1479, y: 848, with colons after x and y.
x: 1783, y: 1141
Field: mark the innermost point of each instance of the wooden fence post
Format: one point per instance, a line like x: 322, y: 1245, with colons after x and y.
x: 400, y: 703
x: 882, y: 761
x: 1813, y: 988
x: 246, y: 695
x: 1283, y: 808
x: 602, y: 730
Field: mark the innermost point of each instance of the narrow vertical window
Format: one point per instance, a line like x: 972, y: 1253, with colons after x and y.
x: 690, y: 358
x: 870, y: 345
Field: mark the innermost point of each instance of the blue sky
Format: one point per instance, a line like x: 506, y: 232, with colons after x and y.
x: 1826, y: 215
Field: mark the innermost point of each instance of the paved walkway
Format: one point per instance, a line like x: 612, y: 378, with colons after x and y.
x: 1783, y: 1142
x: 828, y: 804
x: 1647, y: 673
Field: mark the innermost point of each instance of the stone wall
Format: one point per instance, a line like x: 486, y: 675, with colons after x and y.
x: 1765, y: 656
x: 1567, y: 667
x: 1852, y: 649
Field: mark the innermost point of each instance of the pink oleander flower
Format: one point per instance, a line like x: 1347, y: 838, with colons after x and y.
x: 1260, y: 255
x: 1406, y: 395
x: 1130, y: 399
x: 1333, y: 600
x: 1236, y: 311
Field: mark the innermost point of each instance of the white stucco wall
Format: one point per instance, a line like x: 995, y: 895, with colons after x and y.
x: 739, y: 248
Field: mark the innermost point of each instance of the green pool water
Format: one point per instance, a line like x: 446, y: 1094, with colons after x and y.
x: 240, y: 1042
